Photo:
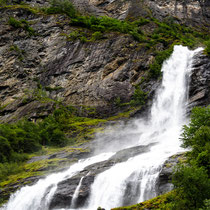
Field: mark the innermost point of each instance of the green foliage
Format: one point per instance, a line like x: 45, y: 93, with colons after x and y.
x: 19, y: 52
x: 162, y: 202
x: 155, y: 68
x: 7, y: 169
x: 96, y: 36
x: 106, y: 24
x: 192, y: 184
x: 197, y: 136
x: 22, y: 24
x: 14, y: 22
x: 61, y: 7
x: 206, y: 205
x: 118, y: 102
x: 5, y: 149
x: 139, y: 97
x: 23, y: 137
x: 207, y: 49
x: 3, y: 2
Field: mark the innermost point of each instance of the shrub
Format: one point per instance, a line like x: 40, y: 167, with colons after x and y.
x: 61, y: 7
x: 21, y: 24
x: 96, y: 36
x: 198, y: 127
x: 3, y: 2
x: 7, y: 169
x: 14, y: 22
x: 207, y: 49
x: 5, y: 149
x: 139, y: 97
x: 104, y: 23
x: 192, y: 184
x: 155, y: 68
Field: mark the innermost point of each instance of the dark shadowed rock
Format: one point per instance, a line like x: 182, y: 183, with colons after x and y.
x: 199, y: 92
x: 164, y: 181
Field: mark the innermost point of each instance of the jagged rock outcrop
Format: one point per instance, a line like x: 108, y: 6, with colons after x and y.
x: 199, y: 93
x: 164, y: 181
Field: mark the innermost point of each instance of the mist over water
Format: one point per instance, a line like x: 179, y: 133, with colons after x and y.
x: 134, y: 180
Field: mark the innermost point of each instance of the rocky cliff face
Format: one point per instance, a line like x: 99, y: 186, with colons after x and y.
x: 192, y: 12
x: 93, y: 74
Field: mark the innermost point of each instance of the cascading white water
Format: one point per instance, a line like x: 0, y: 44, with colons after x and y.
x: 76, y: 193
x: 38, y: 196
x: 139, y: 173
x: 134, y: 180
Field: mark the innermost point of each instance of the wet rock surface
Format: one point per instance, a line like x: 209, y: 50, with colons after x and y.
x: 164, y: 181
x: 65, y: 190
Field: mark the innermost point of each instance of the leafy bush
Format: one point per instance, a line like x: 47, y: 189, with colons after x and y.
x: 155, y: 68
x: 103, y: 24
x: 96, y: 36
x: 7, y: 169
x: 14, y: 22
x: 3, y: 2
x: 5, y: 149
x: 27, y: 137
x: 207, y: 49
x: 192, y: 184
x: 22, y: 24
x: 139, y: 97
x: 61, y: 7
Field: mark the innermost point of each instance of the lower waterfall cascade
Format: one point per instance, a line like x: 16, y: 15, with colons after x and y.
x: 134, y: 180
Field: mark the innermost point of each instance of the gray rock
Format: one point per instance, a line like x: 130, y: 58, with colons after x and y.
x: 65, y: 189
x: 164, y: 181
x: 199, y: 92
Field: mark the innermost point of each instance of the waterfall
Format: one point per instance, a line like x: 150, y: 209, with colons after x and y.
x: 38, y: 196
x: 76, y: 193
x: 134, y: 180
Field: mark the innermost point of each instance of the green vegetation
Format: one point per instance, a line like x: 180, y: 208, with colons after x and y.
x: 61, y: 7
x: 24, y: 24
x: 160, y: 202
x: 197, y: 137
x: 155, y: 68
x: 139, y: 97
x: 192, y: 186
x: 3, y: 2
x: 19, y: 52
x: 192, y: 181
x: 207, y: 49
x: 50, y: 89
x: 63, y: 127
x: 107, y: 24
